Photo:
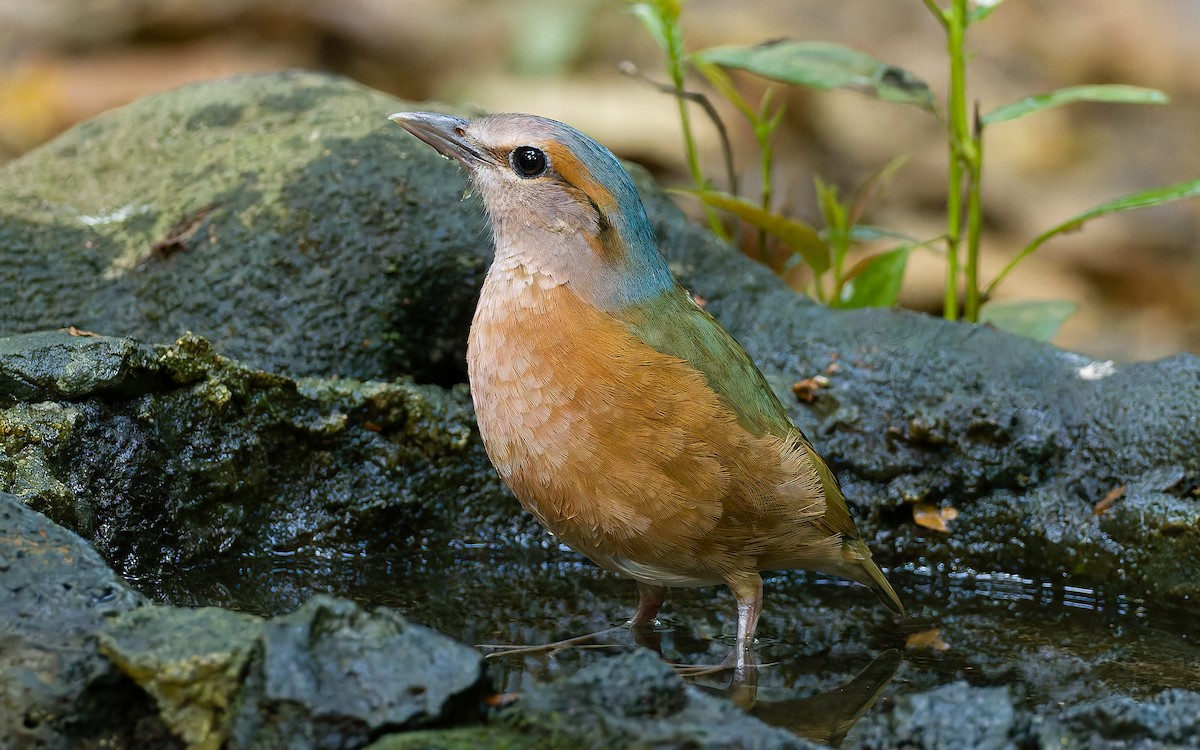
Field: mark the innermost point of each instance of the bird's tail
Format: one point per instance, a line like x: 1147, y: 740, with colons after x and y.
x: 858, y: 566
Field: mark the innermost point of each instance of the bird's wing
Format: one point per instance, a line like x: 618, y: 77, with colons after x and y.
x: 674, y: 325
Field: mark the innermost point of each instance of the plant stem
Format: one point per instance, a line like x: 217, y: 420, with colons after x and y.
x: 961, y: 147
x: 675, y: 58
x: 764, y: 149
x: 974, y: 220
x: 819, y: 288
x: 937, y: 12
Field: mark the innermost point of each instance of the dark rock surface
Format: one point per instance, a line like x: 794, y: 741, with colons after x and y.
x: 956, y: 716
x: 56, y: 690
x: 86, y: 662
x: 959, y: 716
x: 1171, y: 718
x: 651, y: 708
x: 332, y: 674
x: 173, y: 456
x: 281, y: 215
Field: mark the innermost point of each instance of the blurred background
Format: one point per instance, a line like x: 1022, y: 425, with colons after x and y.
x: 1135, y: 277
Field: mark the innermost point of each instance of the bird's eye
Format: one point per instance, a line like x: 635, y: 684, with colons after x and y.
x: 528, y: 161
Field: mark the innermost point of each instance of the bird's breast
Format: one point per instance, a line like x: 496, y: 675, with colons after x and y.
x: 623, y: 452
x: 534, y: 371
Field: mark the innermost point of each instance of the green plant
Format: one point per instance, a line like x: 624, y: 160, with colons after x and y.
x: 661, y: 19
x: 827, y: 66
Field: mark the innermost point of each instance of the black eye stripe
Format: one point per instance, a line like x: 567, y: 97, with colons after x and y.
x: 528, y: 162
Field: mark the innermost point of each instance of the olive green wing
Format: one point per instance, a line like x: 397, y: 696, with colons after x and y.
x: 674, y: 325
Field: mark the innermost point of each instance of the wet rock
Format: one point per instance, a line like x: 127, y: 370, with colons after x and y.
x: 174, y: 456
x: 191, y: 661
x: 1171, y: 718
x: 956, y: 716
x: 636, y: 700
x: 333, y: 674
x: 329, y: 675
x: 959, y: 715
x: 56, y: 690
x: 48, y: 365
x: 281, y: 216
x: 86, y: 662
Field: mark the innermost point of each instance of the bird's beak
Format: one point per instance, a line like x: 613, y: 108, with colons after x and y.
x: 448, y: 135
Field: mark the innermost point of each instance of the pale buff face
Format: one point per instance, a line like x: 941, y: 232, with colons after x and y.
x: 560, y: 204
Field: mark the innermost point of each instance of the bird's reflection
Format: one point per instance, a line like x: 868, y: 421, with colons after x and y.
x: 823, y: 717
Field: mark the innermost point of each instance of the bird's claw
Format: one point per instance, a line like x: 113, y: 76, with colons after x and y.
x: 508, y: 649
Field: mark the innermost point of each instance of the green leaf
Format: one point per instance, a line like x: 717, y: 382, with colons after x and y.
x: 1114, y: 93
x: 876, y: 281
x: 823, y: 65
x: 1037, y: 319
x: 1152, y: 197
x: 870, y: 233
x: 719, y: 80
x: 831, y: 208
x: 873, y: 186
x: 776, y: 119
x: 797, y: 235
x: 983, y: 9
x: 654, y: 23
x: 837, y: 229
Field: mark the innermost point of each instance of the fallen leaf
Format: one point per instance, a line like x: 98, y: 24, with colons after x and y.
x: 932, y: 517
x: 499, y: 700
x: 72, y: 330
x: 806, y: 390
x: 180, y: 234
x: 1106, y: 502
x: 926, y: 640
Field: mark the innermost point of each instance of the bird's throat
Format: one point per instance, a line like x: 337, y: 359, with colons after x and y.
x: 601, y: 269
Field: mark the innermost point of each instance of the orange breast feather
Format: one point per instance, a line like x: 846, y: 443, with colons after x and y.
x: 625, y: 453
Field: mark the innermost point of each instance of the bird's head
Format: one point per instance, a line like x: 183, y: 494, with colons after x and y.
x: 559, y: 202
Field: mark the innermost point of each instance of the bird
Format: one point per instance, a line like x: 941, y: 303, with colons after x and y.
x: 620, y: 413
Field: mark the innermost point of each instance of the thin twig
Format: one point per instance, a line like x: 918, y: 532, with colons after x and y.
x: 631, y: 70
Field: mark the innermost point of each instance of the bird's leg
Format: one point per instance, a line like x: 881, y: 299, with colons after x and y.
x: 641, y: 625
x: 743, y: 684
x: 748, y: 591
x: 650, y: 601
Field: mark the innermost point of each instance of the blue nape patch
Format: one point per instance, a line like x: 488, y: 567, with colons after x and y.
x: 648, y: 274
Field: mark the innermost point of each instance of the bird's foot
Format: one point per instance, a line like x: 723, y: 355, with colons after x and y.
x: 508, y: 649
x: 700, y: 670
x: 738, y: 660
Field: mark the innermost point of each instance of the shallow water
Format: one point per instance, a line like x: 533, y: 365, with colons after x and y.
x: 1051, y: 643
